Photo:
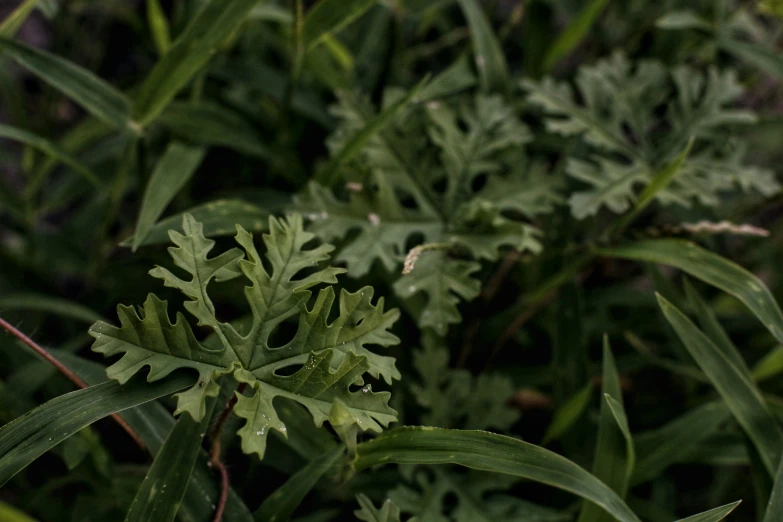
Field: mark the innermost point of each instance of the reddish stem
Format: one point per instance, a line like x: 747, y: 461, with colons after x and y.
x: 214, y: 454
x: 68, y: 373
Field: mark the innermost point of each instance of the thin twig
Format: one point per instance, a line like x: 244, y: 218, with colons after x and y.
x: 214, y: 454
x: 67, y: 373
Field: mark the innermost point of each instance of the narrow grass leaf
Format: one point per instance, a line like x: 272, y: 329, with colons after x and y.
x: 215, y: 21
x: 50, y: 149
x: 96, y: 96
x: 568, y: 414
x: 49, y: 304
x: 764, y: 58
x: 172, y: 172
x: 622, y: 422
x: 574, y: 34
x: 710, y: 268
x: 713, y: 515
x: 490, y: 61
x: 10, y: 514
x: 737, y: 390
x: 280, y: 505
x: 36, y: 432
x: 489, y: 452
x: 677, y: 440
x: 683, y: 19
x: 327, y: 17
x: 771, y: 365
x: 159, y: 26
x: 14, y: 21
x: 218, y: 217
x: 774, y: 511
x: 330, y: 174
x: 163, y: 489
x: 610, y: 461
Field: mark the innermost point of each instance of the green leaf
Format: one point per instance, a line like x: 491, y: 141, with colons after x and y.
x: 330, y: 357
x: 280, y: 505
x: 738, y: 392
x: 191, y: 51
x: 164, y: 486
x: 490, y: 61
x: 683, y: 19
x: 611, y: 460
x: 774, y: 510
x: 489, y: 452
x: 48, y: 304
x: 96, y: 96
x: 456, y: 78
x: 677, y: 440
x: 217, y: 217
x: 329, y: 175
x: 710, y: 268
x: 367, y: 512
x: 769, y: 366
x: 764, y: 58
x: 34, y: 433
x: 172, y: 172
x: 622, y: 422
x: 10, y: 514
x: 573, y: 35
x: 713, y: 515
x: 159, y: 26
x: 328, y: 17
x: 567, y: 414
x: 14, y: 21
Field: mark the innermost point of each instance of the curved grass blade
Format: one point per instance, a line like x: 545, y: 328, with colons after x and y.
x: 611, y: 459
x: 568, y: 414
x: 216, y: 20
x: 36, y: 432
x: 49, y: 148
x: 489, y: 452
x: 53, y: 305
x: 159, y: 26
x: 490, y: 61
x: 172, y: 172
x: 774, y: 512
x: 737, y: 390
x: 574, y: 34
x: 14, y: 21
x: 675, y: 441
x: 10, y: 514
x: 713, y: 515
x: 96, y: 96
x: 770, y: 365
x: 280, y: 505
x: 163, y: 489
x: 622, y: 422
x: 327, y: 17
x: 710, y: 268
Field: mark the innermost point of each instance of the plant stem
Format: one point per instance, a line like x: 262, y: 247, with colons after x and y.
x: 214, y: 454
x: 67, y: 373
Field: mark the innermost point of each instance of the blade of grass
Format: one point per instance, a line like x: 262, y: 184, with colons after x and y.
x: 96, y: 96
x: 48, y: 304
x: 713, y: 515
x: 281, y: 504
x: 328, y: 17
x: 568, y: 414
x: 489, y: 452
x: 738, y: 392
x: 10, y: 514
x: 14, y: 21
x: 36, y: 432
x: 622, y: 422
x: 172, y: 172
x: 573, y: 35
x: 159, y: 26
x: 774, y: 512
x: 456, y: 78
x: 490, y: 61
x: 192, y: 49
x: 710, y: 268
x: 770, y: 365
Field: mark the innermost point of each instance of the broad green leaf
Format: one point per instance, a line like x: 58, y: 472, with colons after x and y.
x: 218, y: 218
x: 765, y: 58
x: 573, y: 35
x: 10, y: 514
x: 280, y: 505
x: 367, y: 512
x: 489, y: 452
x: 330, y: 356
x: 14, y: 21
x: 164, y: 486
x: 611, y: 458
x: 710, y: 268
x: 327, y: 17
x: 713, y: 515
x: 191, y: 51
x: 330, y: 174
x: 737, y: 390
x: 159, y: 26
x: 774, y: 511
x: 769, y: 366
x: 34, y: 433
x: 48, y: 304
x: 567, y: 414
x: 172, y: 172
x: 683, y: 19
x: 50, y: 149
x: 674, y: 442
x: 490, y: 61
x: 96, y: 96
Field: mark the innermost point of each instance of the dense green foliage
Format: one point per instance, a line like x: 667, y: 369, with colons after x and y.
x: 432, y: 260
